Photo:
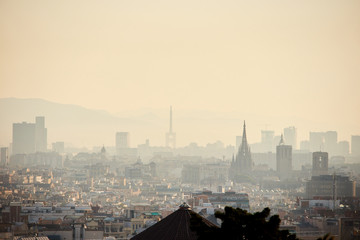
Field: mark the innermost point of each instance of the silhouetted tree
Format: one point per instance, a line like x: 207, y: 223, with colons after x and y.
x: 238, y: 224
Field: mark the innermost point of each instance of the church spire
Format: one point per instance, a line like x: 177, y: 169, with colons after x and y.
x: 244, y: 139
x: 243, y: 163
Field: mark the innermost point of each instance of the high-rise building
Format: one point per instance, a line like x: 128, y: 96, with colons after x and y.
x: 4, y: 156
x: 40, y: 135
x: 290, y: 136
x: 122, y: 143
x: 243, y: 163
x: 23, y: 138
x: 122, y: 140
x: 171, y: 136
x: 29, y: 137
x: 267, y: 138
x: 334, y: 186
x: 355, y: 145
x: 283, y: 159
x: 331, y: 142
x: 316, y: 141
x: 276, y: 140
x: 13, y: 213
x: 15, y: 210
x: 320, y: 163
x: 343, y: 148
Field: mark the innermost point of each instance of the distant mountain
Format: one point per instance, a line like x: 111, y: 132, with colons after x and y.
x: 25, y: 109
x: 85, y: 127
x: 65, y: 122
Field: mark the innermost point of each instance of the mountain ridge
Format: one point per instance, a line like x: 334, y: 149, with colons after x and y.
x: 86, y: 127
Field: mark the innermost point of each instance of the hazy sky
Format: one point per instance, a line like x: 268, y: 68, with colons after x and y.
x: 281, y: 57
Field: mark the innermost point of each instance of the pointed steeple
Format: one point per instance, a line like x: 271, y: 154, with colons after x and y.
x: 103, y: 151
x: 243, y: 162
x: 244, y: 139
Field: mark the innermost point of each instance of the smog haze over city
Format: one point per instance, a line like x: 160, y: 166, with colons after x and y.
x: 274, y: 63
x: 158, y: 103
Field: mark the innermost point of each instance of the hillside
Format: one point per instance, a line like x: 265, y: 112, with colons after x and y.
x: 70, y: 123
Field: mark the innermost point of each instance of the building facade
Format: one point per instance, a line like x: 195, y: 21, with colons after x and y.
x: 290, y: 136
x: 283, y: 159
x: 29, y: 137
x: 355, y: 145
x: 334, y: 186
x: 122, y: 140
x: 4, y: 156
x: 40, y: 135
x: 320, y: 163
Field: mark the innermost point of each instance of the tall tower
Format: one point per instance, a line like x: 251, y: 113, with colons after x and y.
x: 290, y: 136
x: 30, y: 137
x: 4, y: 156
x: 243, y: 163
x: 267, y: 137
x: 331, y: 143
x: 122, y: 140
x: 171, y: 136
x: 40, y: 135
x: 316, y: 141
x: 283, y: 159
x: 355, y: 145
x: 23, y: 138
x: 320, y: 163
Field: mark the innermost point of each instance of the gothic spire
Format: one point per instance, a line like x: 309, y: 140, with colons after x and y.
x: 243, y: 162
x: 244, y: 139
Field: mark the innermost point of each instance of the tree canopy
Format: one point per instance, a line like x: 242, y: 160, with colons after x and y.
x: 239, y: 224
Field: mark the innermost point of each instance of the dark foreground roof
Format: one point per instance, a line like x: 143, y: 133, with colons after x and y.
x: 176, y: 226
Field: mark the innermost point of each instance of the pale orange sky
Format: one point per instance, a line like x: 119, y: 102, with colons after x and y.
x: 285, y: 58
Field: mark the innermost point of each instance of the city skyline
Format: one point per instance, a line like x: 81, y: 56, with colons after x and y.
x: 139, y: 119
x: 327, y: 140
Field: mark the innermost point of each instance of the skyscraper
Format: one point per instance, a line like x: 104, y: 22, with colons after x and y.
x: 290, y: 136
x: 331, y: 142
x: 355, y: 145
x: 316, y: 141
x: 23, y: 138
x: 40, y: 135
x: 344, y: 148
x: 122, y: 140
x: 30, y: 137
x: 243, y: 163
x: 171, y: 136
x: 122, y: 144
x: 267, y: 138
x: 4, y: 156
x: 283, y: 159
